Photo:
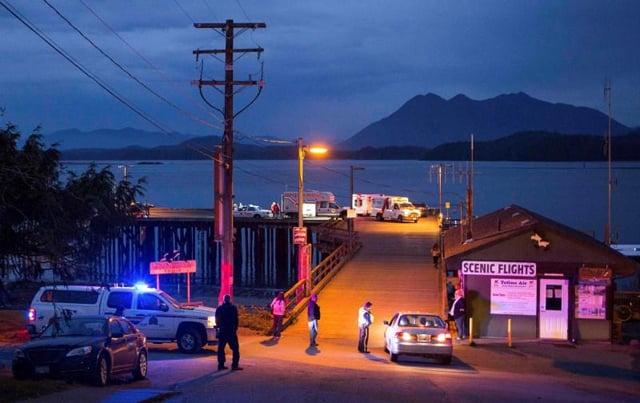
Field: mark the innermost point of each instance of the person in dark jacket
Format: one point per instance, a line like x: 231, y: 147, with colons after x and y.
x: 227, y: 324
x: 313, y: 315
x: 459, y: 312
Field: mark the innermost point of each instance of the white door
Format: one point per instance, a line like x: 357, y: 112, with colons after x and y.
x: 554, y: 309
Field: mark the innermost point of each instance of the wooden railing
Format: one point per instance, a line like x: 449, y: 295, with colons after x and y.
x: 297, y: 296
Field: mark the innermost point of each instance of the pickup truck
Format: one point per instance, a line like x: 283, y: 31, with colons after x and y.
x: 252, y: 211
x: 157, y: 314
x: 398, y: 209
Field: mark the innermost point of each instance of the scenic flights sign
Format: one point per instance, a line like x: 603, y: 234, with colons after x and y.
x: 509, y: 269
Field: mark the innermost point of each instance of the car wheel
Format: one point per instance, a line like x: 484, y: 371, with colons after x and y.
x: 101, y: 373
x: 400, y: 219
x: 189, y: 340
x: 256, y: 216
x: 446, y: 360
x: 378, y: 217
x: 393, y: 357
x: 140, y: 372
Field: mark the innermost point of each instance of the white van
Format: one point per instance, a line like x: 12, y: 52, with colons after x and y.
x: 157, y: 314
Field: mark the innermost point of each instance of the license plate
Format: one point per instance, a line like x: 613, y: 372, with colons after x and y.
x: 424, y: 337
x: 43, y: 369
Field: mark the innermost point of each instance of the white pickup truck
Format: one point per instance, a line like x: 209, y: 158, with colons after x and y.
x: 157, y: 314
x: 400, y: 209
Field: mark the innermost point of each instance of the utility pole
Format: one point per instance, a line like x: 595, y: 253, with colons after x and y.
x: 223, y: 181
x: 470, y: 196
x: 607, y: 227
x: 350, y: 221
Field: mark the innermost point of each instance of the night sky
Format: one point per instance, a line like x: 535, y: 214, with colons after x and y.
x: 330, y: 67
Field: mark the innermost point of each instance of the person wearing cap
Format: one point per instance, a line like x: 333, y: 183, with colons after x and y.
x: 313, y: 315
x: 365, y: 319
x: 227, y: 324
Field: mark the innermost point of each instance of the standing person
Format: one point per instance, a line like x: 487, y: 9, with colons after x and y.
x: 278, y: 306
x: 313, y: 314
x: 365, y: 319
x: 459, y: 312
x: 435, y: 253
x: 227, y: 324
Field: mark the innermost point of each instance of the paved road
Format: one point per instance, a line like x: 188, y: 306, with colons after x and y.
x: 393, y: 270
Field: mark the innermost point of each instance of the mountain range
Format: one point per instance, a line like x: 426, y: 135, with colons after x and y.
x: 426, y: 126
x: 110, y: 139
x: 429, y: 121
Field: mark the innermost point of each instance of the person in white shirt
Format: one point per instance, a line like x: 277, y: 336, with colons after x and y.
x: 365, y: 319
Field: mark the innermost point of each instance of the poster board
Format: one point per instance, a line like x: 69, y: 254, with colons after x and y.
x: 514, y: 296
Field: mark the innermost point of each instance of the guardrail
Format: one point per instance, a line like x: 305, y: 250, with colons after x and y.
x: 297, y: 296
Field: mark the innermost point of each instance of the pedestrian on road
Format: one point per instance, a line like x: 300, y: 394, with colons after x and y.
x: 278, y: 306
x: 459, y: 312
x: 227, y: 324
x: 313, y: 314
x: 435, y: 253
x: 365, y: 319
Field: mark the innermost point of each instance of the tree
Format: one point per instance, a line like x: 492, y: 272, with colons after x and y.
x: 45, y: 223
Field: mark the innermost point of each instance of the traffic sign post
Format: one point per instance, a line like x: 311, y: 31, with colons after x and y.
x: 299, y: 235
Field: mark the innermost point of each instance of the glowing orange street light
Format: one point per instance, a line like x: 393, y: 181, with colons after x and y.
x: 303, y: 258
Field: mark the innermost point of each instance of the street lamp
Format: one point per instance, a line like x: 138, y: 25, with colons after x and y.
x: 303, y: 273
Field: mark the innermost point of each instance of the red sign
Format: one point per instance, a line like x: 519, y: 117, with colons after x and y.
x: 179, y: 266
x: 299, y: 235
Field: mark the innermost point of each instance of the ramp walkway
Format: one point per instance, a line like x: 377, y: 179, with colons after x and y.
x: 393, y: 270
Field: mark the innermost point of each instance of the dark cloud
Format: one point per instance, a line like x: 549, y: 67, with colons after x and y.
x: 331, y: 67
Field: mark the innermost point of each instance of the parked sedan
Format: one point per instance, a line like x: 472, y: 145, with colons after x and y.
x: 252, y: 211
x: 89, y: 346
x: 418, y: 334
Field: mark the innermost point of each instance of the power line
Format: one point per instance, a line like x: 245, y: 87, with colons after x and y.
x: 51, y: 43
x: 124, y: 70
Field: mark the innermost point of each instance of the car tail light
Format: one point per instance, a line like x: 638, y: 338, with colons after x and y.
x: 31, y: 315
x: 442, y: 337
x: 405, y: 336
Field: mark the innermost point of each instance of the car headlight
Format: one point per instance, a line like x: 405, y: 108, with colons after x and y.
x: 18, y: 353
x: 86, y: 350
x: 211, y: 321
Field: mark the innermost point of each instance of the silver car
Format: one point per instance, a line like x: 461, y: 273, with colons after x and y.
x: 419, y: 334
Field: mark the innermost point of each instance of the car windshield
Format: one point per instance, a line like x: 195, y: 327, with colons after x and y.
x: 406, y: 205
x: 172, y: 301
x: 76, y: 327
x: 417, y: 320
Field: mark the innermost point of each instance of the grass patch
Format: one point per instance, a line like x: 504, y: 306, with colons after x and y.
x: 256, y: 318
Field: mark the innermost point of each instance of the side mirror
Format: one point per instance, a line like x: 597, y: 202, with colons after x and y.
x: 386, y: 322
x: 164, y: 307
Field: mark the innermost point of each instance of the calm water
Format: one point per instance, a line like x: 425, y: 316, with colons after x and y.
x: 574, y: 194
